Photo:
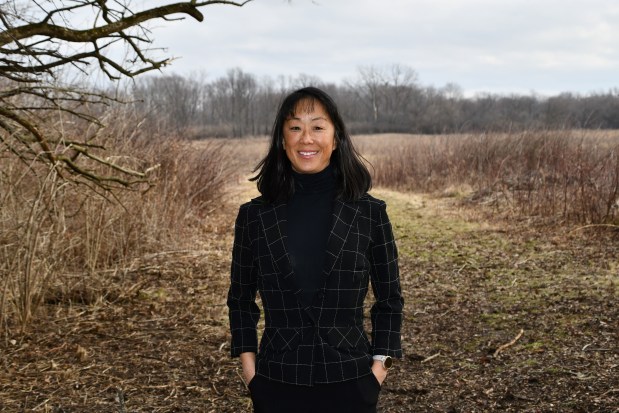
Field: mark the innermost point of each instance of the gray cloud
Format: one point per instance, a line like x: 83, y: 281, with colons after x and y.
x: 495, y: 46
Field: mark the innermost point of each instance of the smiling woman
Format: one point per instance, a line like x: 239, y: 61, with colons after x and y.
x: 309, y: 137
x: 311, y: 245
x: 309, y: 134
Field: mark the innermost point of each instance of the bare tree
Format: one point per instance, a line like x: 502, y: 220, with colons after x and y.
x: 171, y: 103
x: 231, y: 98
x: 369, y: 85
x: 387, y: 92
x: 39, y: 40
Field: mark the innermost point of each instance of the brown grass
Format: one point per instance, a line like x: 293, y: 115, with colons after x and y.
x: 555, y: 176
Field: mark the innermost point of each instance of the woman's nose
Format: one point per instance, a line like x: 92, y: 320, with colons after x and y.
x: 306, y: 137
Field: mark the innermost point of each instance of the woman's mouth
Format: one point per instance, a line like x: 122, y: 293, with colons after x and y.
x: 307, y: 154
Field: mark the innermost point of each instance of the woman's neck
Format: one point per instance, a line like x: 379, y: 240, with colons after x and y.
x: 322, y: 181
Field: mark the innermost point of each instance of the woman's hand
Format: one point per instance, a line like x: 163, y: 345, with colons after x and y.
x: 379, y: 371
x: 248, y: 363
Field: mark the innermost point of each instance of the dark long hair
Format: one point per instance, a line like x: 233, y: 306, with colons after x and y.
x: 274, y: 178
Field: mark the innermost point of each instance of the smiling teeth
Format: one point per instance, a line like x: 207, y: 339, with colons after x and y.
x: 307, y: 153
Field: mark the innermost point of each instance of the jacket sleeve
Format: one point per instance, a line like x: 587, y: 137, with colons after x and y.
x: 243, y: 310
x: 386, y: 313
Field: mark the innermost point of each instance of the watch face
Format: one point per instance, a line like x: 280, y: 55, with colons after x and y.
x: 388, y: 362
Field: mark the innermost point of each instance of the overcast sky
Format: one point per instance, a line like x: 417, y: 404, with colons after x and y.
x: 497, y: 46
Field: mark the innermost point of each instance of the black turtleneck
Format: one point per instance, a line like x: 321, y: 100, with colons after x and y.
x: 309, y: 224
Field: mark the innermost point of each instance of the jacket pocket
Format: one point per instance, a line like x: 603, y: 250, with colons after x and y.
x: 351, y: 337
x: 277, y: 340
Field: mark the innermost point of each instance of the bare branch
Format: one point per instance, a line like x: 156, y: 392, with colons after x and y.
x: 83, y: 150
x: 36, y: 43
x: 32, y: 129
x: 43, y: 28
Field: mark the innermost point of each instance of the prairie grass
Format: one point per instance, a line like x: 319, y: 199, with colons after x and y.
x: 553, y: 176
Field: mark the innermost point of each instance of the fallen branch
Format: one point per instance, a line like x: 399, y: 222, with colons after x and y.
x: 432, y: 357
x: 508, y: 345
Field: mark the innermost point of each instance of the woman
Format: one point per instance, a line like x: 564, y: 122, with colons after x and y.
x: 310, y: 245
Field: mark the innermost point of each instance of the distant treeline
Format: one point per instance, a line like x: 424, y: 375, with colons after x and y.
x: 378, y: 100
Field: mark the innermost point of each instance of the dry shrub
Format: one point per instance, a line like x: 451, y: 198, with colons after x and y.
x: 28, y: 238
x: 69, y: 240
x: 558, y: 176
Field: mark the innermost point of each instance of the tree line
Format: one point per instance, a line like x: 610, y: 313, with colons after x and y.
x: 378, y: 100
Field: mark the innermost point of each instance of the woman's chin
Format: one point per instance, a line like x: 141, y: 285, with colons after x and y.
x: 309, y: 167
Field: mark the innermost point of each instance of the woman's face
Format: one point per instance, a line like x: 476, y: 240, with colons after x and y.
x: 309, y: 137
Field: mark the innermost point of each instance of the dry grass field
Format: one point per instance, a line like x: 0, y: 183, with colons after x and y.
x: 504, y: 311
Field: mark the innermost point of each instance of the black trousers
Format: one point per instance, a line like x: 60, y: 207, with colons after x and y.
x: 353, y: 396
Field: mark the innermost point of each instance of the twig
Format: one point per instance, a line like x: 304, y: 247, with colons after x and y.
x: 40, y: 404
x: 120, y: 398
x: 215, y: 388
x: 508, y: 345
x: 593, y: 226
x: 241, y: 377
x: 610, y: 391
x: 526, y: 399
x: 432, y: 357
x: 586, y: 347
x: 172, y: 393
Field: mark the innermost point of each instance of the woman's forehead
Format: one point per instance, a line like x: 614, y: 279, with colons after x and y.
x: 306, y: 105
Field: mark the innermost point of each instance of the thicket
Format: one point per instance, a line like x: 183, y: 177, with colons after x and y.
x: 85, y: 189
x: 64, y: 241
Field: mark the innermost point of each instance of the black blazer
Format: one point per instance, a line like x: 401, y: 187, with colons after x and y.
x: 325, y: 342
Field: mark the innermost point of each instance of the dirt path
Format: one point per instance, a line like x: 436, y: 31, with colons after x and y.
x: 157, y: 339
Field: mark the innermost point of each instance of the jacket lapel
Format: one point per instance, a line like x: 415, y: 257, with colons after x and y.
x: 344, y: 215
x: 275, y: 224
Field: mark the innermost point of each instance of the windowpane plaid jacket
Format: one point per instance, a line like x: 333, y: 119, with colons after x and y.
x: 324, y: 342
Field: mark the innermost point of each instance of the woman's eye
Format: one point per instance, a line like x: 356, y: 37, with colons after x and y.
x: 295, y: 128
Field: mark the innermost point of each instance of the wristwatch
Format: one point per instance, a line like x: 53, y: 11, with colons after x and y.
x: 386, y: 360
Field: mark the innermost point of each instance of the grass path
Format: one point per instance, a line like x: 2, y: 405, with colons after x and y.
x: 471, y: 287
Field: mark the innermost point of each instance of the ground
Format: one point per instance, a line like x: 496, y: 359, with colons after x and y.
x: 499, y: 317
